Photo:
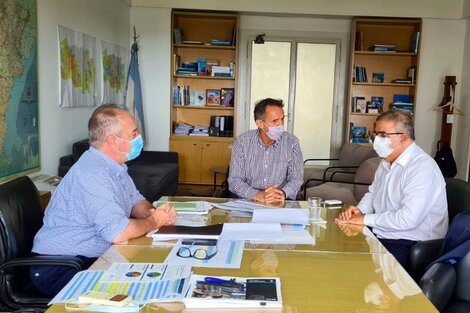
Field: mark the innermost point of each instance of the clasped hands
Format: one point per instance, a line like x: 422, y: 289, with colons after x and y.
x: 163, y: 215
x: 272, y: 194
x: 352, y: 215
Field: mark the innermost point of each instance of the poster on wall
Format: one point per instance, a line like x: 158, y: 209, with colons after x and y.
x: 19, y: 131
x: 114, y: 59
x: 77, y: 69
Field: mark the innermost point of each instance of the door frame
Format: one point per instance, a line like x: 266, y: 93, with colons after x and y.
x: 341, y: 40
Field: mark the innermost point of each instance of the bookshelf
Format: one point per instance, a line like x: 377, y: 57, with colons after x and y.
x: 203, y: 88
x: 383, y: 73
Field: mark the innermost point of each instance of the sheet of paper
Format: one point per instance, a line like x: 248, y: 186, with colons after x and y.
x: 290, y: 235
x: 141, y: 292
x: 283, y: 216
x: 229, y: 255
x: 250, y: 206
x: 144, y: 272
x: 251, y: 231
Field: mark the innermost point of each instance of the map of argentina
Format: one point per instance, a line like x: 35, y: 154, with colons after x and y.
x: 19, y: 132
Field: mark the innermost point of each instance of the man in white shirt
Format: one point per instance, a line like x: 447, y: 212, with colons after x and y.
x: 407, y: 200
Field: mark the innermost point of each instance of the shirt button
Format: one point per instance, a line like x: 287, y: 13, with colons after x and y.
x: 266, y: 165
x: 265, y: 179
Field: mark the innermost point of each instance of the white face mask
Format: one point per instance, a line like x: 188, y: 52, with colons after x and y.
x: 382, y: 146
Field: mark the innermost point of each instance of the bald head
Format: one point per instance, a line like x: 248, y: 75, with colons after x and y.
x: 105, y: 121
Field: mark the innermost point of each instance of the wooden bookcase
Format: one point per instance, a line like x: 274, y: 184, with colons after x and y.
x: 402, y: 34
x: 198, y: 154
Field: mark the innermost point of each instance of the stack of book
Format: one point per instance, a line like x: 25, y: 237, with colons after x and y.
x: 182, y: 129
x: 221, y: 71
x: 360, y: 74
x: 403, y: 102
x: 199, y: 131
x: 188, y: 69
x: 181, y: 94
x: 383, y: 48
x: 221, y: 42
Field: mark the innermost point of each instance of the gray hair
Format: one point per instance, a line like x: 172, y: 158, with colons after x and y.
x: 403, y: 121
x: 260, y: 107
x: 104, y: 122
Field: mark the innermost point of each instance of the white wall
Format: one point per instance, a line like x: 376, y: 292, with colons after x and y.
x: 395, y: 8
x: 103, y: 19
x: 442, y: 46
x: 463, y: 136
x: 154, y: 27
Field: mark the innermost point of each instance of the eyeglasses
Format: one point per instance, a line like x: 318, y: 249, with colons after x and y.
x: 385, y: 134
x: 199, y: 253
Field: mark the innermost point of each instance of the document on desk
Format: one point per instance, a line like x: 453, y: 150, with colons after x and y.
x: 158, y: 289
x: 228, y: 254
x: 250, y: 206
x: 251, y: 231
x: 189, y: 207
x: 283, y: 216
x: 144, y: 272
x: 290, y: 235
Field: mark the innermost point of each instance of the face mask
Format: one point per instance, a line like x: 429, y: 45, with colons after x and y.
x: 136, y: 147
x: 274, y: 132
x: 382, y: 146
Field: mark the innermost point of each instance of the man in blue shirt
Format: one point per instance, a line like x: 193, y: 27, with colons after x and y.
x: 96, y: 204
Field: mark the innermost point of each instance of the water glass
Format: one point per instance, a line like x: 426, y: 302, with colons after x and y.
x: 314, y: 207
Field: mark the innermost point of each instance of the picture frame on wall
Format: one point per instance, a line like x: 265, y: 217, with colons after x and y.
x: 213, y: 97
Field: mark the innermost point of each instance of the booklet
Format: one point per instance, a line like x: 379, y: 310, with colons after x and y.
x: 233, y: 292
x: 189, y: 207
x: 176, y: 232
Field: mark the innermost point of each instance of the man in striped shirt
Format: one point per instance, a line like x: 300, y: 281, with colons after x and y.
x: 267, y: 164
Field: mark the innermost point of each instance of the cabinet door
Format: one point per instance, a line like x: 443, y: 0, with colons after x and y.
x: 189, y: 156
x: 214, y: 154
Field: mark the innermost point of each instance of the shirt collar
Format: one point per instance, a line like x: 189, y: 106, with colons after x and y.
x: 118, y: 168
x: 402, y: 159
x: 405, y: 156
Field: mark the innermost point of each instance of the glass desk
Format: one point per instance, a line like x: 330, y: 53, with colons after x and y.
x: 345, y: 271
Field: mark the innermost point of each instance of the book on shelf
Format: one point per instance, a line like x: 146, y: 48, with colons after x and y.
x: 403, y: 102
x: 412, y: 74
x: 197, y: 98
x: 359, y: 134
x: 192, y: 42
x: 383, y: 48
x: 201, y: 67
x: 234, y: 36
x: 181, y: 95
x: 403, y: 81
x: 354, y: 104
x: 171, y: 232
x: 376, y: 105
x: 178, y: 35
x: 221, y: 42
x: 359, y: 41
x: 360, y: 74
x: 221, y: 71
x: 233, y: 292
x: 415, y: 42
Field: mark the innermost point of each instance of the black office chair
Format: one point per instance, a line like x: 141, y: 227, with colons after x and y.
x: 424, y: 252
x: 448, y: 286
x: 224, y: 191
x: 21, y: 215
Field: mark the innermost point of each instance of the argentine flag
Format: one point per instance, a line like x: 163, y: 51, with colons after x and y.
x: 133, y: 96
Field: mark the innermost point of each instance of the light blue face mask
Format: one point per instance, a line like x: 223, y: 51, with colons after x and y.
x: 136, y: 147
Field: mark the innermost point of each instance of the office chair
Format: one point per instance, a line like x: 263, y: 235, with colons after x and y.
x: 21, y: 215
x: 424, y: 252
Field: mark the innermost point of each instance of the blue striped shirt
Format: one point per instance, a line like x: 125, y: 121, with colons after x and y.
x: 89, y: 209
x: 255, y: 165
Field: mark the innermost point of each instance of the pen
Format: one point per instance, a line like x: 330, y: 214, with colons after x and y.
x: 216, y: 280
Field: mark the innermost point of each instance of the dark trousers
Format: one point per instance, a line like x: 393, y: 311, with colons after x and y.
x: 51, y: 279
x: 400, y: 249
